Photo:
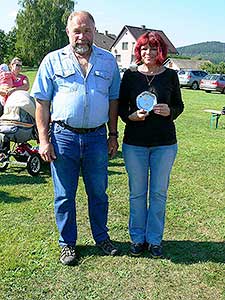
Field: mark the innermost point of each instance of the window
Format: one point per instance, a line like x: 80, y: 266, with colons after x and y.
x: 133, y: 58
x: 204, y: 73
x: 118, y: 58
x: 125, y: 46
x: 196, y: 73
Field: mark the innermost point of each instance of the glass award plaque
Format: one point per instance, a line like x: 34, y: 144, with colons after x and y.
x: 146, y: 101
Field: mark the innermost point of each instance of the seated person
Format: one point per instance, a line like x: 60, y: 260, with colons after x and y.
x: 21, y: 81
x: 7, y: 79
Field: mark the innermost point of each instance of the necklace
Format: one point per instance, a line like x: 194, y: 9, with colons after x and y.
x: 149, y: 81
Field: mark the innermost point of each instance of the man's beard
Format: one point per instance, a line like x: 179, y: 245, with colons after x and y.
x: 82, y: 49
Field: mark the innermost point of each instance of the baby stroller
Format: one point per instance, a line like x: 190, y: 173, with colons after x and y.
x: 17, y: 124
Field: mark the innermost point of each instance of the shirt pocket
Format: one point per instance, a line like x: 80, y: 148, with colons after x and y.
x: 102, y: 81
x: 64, y: 81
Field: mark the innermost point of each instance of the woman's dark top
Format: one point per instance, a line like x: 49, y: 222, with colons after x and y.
x: 156, y: 130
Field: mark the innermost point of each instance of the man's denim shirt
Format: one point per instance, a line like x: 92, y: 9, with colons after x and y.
x: 81, y: 102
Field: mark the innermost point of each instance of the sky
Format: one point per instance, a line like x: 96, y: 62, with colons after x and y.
x: 184, y: 22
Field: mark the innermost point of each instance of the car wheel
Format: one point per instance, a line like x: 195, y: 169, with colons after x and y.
x: 34, y: 164
x: 194, y: 86
x: 223, y: 91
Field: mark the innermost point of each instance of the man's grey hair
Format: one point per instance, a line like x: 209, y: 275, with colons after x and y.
x: 78, y: 13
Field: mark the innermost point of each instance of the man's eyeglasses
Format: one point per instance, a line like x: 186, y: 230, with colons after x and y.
x: 18, y: 65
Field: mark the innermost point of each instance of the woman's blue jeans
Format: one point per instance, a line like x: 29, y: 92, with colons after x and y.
x: 148, y: 170
x: 86, y: 152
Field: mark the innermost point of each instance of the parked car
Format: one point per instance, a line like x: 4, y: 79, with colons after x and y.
x: 191, y: 78
x: 213, y: 82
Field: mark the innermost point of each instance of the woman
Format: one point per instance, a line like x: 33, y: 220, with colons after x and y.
x: 21, y: 82
x: 149, y: 143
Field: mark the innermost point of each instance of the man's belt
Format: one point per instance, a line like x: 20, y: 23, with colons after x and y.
x: 78, y: 130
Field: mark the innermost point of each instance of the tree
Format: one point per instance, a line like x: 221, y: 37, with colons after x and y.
x: 3, y: 46
x: 41, y: 28
x: 11, y: 45
x: 214, y: 68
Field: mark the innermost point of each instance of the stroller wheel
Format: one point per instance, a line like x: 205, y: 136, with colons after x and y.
x: 4, y: 162
x: 34, y: 164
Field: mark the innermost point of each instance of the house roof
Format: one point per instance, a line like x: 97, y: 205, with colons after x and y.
x: 187, y: 63
x: 104, y: 40
x: 137, y: 31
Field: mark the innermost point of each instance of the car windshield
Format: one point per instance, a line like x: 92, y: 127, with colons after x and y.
x: 210, y: 77
x: 214, y: 77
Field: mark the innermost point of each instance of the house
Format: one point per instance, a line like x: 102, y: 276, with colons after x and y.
x: 184, y: 64
x: 123, y: 46
x: 104, y: 40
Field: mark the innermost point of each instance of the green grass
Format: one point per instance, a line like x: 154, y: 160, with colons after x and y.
x: 194, y: 248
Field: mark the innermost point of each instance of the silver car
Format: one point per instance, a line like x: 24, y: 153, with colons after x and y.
x: 213, y: 82
x: 191, y: 78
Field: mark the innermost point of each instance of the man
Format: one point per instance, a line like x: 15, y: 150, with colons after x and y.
x: 79, y: 84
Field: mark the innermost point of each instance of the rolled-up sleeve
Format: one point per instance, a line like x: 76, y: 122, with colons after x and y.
x: 43, y: 86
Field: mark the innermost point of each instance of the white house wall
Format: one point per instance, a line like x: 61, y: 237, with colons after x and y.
x: 126, y: 55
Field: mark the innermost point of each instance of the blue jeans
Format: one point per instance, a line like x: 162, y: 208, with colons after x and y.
x: 148, y: 170
x: 88, y: 153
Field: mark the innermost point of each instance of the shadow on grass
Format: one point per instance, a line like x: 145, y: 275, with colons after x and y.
x: 13, y: 179
x: 110, y: 172
x: 116, y: 162
x: 190, y: 252
x: 6, y: 198
x: 178, y: 252
x: 91, y: 250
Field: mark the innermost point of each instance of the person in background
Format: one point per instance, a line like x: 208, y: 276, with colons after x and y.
x: 6, y: 82
x: 80, y: 83
x: 149, y: 102
x: 21, y: 81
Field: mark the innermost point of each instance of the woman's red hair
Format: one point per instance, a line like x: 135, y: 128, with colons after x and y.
x: 153, y: 39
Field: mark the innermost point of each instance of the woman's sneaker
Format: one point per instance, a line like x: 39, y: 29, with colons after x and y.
x: 155, y: 251
x: 136, y: 249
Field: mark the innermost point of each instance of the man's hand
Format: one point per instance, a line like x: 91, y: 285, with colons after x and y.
x: 47, y: 152
x: 112, y: 146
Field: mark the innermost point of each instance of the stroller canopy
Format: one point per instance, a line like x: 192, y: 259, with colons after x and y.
x: 18, y: 120
x: 18, y: 100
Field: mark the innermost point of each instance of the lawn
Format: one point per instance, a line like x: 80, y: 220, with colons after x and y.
x: 194, y: 247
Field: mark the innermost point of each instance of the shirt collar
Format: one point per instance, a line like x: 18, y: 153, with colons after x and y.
x: 67, y: 50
